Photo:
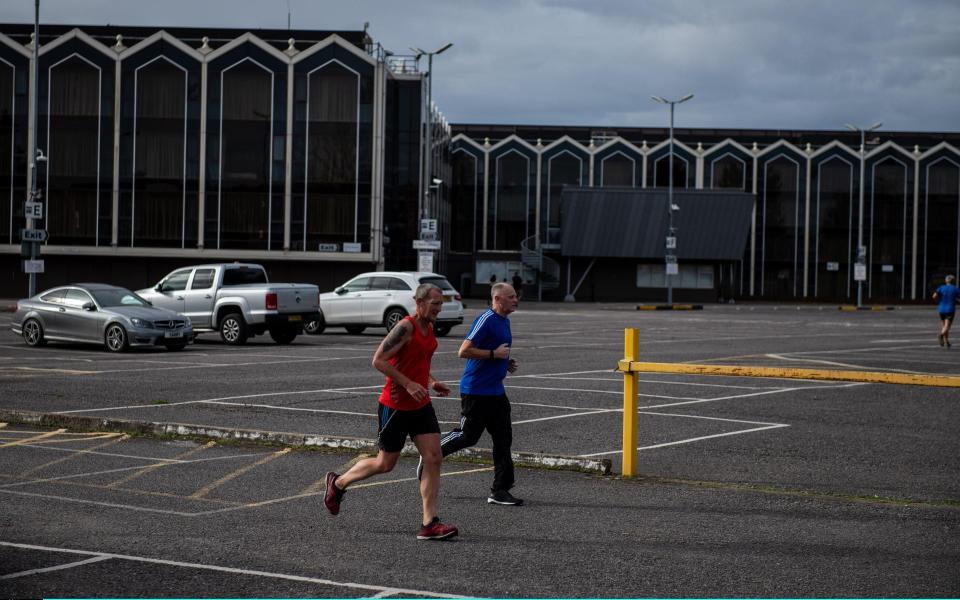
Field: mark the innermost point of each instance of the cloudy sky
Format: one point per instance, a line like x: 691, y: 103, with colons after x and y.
x: 790, y: 64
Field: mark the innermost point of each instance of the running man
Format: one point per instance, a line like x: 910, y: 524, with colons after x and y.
x: 947, y: 295
x: 484, y: 403
x: 405, y: 409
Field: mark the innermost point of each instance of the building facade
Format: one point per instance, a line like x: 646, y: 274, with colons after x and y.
x: 508, y: 181
x: 300, y: 150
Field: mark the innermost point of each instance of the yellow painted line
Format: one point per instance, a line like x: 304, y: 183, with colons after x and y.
x: 86, y: 438
x: 115, y: 439
x: 321, y: 485
x: 154, y: 467
x: 212, y: 486
x: 35, y: 438
x: 788, y: 373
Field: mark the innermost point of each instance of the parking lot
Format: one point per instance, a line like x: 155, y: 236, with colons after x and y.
x: 747, y: 486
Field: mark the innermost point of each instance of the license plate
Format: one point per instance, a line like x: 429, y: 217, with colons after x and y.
x: 295, y: 318
x: 173, y: 334
x: 448, y: 298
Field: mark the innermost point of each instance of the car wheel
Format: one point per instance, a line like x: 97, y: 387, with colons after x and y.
x: 233, y: 329
x: 283, y: 335
x: 315, y: 326
x: 356, y: 329
x: 176, y: 347
x: 392, y: 317
x: 442, y: 330
x: 33, y: 333
x: 115, y: 338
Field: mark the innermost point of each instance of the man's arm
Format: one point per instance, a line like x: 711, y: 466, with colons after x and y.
x: 468, y: 350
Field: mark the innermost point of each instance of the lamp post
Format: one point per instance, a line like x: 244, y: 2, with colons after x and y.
x: 671, y: 241
x: 861, y: 249
x: 428, y: 175
x: 36, y: 155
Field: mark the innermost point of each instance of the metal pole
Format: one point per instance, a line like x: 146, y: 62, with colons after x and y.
x: 863, y: 147
x: 427, y: 162
x: 32, y: 285
x: 670, y: 206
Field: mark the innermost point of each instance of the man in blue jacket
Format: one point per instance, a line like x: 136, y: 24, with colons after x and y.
x: 947, y: 295
x: 483, y: 400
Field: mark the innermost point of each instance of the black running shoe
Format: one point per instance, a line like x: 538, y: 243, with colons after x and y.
x: 505, y: 498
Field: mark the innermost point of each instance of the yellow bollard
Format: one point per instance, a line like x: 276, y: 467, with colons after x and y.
x: 631, y: 352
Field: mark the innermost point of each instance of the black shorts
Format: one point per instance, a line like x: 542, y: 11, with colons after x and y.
x: 395, y: 425
x: 948, y: 317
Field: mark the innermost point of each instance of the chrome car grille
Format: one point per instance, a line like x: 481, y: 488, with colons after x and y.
x: 171, y: 324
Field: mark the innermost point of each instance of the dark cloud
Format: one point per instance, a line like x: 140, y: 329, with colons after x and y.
x: 751, y: 63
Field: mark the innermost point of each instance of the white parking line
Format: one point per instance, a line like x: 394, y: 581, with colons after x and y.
x: 78, y: 563
x: 205, y: 567
x: 688, y: 441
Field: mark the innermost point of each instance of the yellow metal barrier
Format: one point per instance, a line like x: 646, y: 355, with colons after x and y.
x: 631, y: 352
x: 631, y: 367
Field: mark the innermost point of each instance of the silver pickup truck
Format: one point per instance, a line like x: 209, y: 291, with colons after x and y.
x: 236, y: 300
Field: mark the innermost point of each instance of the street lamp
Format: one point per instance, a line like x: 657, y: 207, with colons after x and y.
x: 36, y: 155
x: 671, y: 241
x: 861, y: 249
x: 427, y: 175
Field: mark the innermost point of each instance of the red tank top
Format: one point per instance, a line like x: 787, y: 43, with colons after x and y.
x: 414, y: 362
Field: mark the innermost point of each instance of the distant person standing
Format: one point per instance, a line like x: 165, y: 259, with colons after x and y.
x: 483, y: 400
x: 518, y: 284
x: 405, y: 409
x: 947, y: 295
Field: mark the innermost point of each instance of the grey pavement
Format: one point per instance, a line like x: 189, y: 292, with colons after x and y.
x: 747, y: 487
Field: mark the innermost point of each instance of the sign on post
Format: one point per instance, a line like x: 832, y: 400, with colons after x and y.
x: 33, y: 266
x: 428, y: 226
x: 859, y: 272
x: 33, y: 235
x: 34, y: 210
x: 426, y: 244
x: 425, y: 261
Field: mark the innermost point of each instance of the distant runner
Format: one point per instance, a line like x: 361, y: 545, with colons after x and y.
x: 947, y: 295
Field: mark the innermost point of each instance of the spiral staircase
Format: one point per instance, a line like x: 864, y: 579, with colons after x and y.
x: 546, y: 268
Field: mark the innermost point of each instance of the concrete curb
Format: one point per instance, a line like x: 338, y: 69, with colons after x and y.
x: 669, y: 307
x: 279, y: 438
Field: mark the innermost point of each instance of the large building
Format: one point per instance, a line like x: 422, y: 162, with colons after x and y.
x: 296, y: 149
x: 304, y: 151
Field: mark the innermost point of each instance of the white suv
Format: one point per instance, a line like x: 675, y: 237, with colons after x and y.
x: 382, y: 298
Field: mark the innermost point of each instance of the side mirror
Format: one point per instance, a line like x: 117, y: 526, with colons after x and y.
x: 159, y: 287
x: 340, y: 291
x: 89, y: 306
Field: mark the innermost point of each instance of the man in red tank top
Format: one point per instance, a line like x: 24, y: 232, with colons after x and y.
x: 405, y: 410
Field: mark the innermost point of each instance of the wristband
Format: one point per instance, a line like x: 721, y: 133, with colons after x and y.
x: 491, y: 355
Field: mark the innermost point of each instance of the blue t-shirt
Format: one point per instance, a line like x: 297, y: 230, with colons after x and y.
x: 948, y: 298
x: 484, y: 377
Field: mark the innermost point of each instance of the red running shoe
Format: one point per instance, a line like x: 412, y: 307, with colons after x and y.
x: 334, y: 495
x: 437, y: 531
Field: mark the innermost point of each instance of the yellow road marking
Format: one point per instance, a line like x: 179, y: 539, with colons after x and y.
x: 97, y: 486
x: 321, y: 484
x: 33, y: 439
x: 154, y: 467
x: 212, y: 486
x: 785, y: 373
x: 111, y: 442
x: 86, y: 438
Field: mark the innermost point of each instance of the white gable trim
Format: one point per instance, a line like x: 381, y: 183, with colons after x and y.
x: 618, y: 141
x: 161, y: 35
x: 514, y: 138
x: 566, y: 138
x: 941, y: 146
x: 838, y: 145
x: 9, y: 42
x: 334, y: 39
x: 723, y: 145
x: 243, y: 39
x: 888, y: 146
x: 777, y: 146
x: 77, y: 34
x: 460, y: 137
x: 666, y: 144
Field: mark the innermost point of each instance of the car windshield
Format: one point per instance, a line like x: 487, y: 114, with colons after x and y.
x: 117, y: 297
x: 440, y: 282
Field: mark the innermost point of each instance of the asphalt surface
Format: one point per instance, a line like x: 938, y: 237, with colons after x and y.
x: 747, y: 487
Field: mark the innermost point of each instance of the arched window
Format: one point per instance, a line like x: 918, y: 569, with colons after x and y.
x: 617, y: 169
x: 512, y: 200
